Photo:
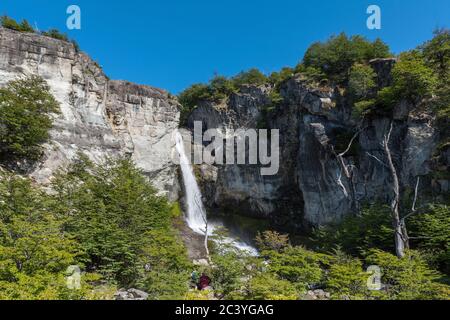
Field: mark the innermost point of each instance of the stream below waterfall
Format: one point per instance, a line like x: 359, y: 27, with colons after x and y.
x: 196, y: 216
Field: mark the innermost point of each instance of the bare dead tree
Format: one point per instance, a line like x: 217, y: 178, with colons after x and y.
x: 347, y: 171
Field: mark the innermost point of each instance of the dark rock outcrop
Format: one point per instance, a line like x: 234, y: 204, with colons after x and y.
x: 314, y: 122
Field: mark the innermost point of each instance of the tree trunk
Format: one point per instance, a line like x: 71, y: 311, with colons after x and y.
x: 401, y: 237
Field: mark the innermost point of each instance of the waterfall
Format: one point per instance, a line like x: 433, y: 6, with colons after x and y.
x: 196, y: 217
x: 196, y: 214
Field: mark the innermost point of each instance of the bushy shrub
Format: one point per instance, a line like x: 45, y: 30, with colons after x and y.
x: 276, y: 78
x: 312, y: 74
x: 336, y: 56
x: 163, y: 284
x: 34, y: 251
x: 296, y: 265
x: 437, y: 53
x: 361, y: 81
x: 412, y: 79
x: 358, y: 234
x: 10, y: 23
x: 117, y: 218
x: 272, y: 241
x: 250, y: 77
x: 408, y: 278
x: 26, y: 106
x: 345, y: 278
x: 431, y: 232
x: 56, y: 34
x: 266, y: 286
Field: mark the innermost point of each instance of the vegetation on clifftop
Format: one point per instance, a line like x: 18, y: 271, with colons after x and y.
x: 24, y: 26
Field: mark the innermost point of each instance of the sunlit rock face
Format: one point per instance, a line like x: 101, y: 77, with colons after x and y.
x: 99, y: 117
x: 103, y: 118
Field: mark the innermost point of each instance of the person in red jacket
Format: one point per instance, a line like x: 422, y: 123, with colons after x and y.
x: 204, y: 282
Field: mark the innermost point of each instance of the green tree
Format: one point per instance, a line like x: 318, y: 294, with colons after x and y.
x: 56, y: 34
x: 408, y: 278
x: 412, y: 79
x: 358, y: 234
x: 361, y: 81
x: 346, y: 278
x: 296, y: 265
x: 437, y: 52
x: 250, y: 77
x: 34, y: 250
x: 437, y: 56
x: 108, y: 209
x: 26, y: 106
x: 336, y: 56
x: 10, y: 23
x: 267, y: 286
x: 272, y: 240
x: 430, y: 231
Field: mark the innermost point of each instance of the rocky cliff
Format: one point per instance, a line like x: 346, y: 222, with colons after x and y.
x: 102, y: 118
x: 316, y: 124
x: 99, y: 117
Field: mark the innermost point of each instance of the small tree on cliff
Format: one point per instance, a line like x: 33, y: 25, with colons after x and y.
x: 26, y: 106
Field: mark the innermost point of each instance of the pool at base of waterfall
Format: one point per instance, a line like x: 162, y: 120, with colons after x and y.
x: 196, y: 216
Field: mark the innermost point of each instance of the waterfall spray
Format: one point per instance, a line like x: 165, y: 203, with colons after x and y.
x: 196, y: 214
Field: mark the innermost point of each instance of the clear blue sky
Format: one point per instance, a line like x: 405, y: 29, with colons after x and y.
x: 172, y: 44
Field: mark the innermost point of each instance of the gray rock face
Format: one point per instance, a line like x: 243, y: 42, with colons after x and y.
x: 99, y: 117
x: 310, y: 188
x: 131, y: 295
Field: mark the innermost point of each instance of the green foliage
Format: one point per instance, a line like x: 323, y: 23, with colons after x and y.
x: 437, y: 53
x: 361, y: 108
x: 412, y: 79
x: 34, y: 250
x: 342, y: 138
x: 10, y: 23
x: 104, y: 218
x: 229, y: 266
x: 218, y: 89
x: 335, y: 57
x: 432, y: 230
x: 312, y: 74
x: 162, y: 284
x: 164, y: 250
x: 272, y: 240
x: 56, y: 34
x: 228, y: 272
x: 276, y: 78
x: 109, y: 209
x: 25, y: 106
x: 266, y: 286
x: 297, y: 265
x: 250, y: 77
x: 361, y: 81
x: 409, y: 278
x: 358, y: 234
x: 346, y: 278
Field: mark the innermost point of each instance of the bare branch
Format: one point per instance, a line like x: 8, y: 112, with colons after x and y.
x: 351, y: 143
x: 372, y: 156
x: 417, y: 211
x: 339, y: 182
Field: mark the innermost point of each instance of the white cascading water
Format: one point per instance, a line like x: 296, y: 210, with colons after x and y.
x: 196, y: 214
